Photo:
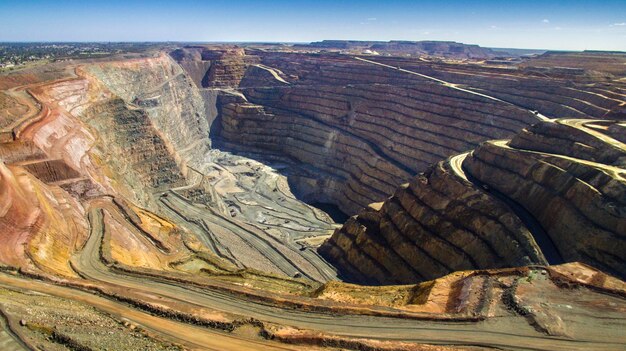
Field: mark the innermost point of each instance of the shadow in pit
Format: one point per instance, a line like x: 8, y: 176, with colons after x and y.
x: 284, y: 165
x: 292, y: 170
x: 332, y: 210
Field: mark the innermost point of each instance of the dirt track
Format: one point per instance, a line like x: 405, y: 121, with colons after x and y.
x: 508, y: 331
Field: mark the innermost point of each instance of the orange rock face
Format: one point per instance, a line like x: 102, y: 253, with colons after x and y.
x: 42, y: 226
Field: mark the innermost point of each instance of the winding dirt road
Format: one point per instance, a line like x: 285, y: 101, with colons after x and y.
x: 506, y: 332
x: 194, y: 337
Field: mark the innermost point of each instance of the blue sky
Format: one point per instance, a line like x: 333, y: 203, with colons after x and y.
x: 573, y: 25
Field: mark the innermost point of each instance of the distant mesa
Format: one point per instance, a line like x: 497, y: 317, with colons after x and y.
x: 398, y: 47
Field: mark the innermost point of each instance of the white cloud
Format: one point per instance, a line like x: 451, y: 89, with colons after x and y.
x: 545, y: 20
x: 493, y: 27
x: 557, y: 28
x: 372, y: 19
x: 620, y: 24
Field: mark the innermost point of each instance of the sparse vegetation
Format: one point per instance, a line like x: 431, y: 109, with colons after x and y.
x: 19, y: 55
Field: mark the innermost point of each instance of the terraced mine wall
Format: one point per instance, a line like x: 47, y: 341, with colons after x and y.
x: 554, y: 193
x: 589, y: 91
x: 346, y: 131
x: 355, y: 130
x: 137, y: 131
x: 169, y: 98
x: 214, y: 68
x: 118, y: 217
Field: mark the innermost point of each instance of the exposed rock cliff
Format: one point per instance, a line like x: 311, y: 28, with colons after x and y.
x: 357, y: 128
x: 173, y: 104
x: 220, y: 67
x: 588, y: 91
x: 554, y: 192
x: 136, y: 131
x: 41, y: 226
x: 570, y: 177
x: 353, y: 128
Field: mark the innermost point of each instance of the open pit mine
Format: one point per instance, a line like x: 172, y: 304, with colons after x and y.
x: 335, y: 195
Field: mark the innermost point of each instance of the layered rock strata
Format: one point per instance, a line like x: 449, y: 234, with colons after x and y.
x: 554, y: 193
x: 576, y: 190
x: 588, y: 91
x: 363, y: 128
x: 136, y: 130
x: 219, y: 67
x: 354, y: 128
x: 112, y: 204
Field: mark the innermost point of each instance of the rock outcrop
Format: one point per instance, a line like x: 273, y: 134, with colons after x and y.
x: 571, y: 178
x: 215, y: 68
x: 41, y: 226
x: 553, y: 193
x: 136, y: 131
x: 167, y: 96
